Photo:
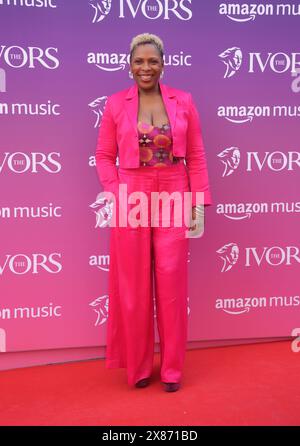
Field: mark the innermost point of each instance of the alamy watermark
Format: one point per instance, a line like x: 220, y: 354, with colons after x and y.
x: 163, y: 209
x: 296, y: 342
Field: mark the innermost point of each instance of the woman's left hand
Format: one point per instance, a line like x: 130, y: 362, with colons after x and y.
x: 197, y: 221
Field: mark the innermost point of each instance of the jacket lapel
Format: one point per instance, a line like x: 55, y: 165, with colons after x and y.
x: 169, y: 99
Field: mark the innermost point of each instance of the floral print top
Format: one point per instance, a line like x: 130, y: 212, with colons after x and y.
x: 156, y: 145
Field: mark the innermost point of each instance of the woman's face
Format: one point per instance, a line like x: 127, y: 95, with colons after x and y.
x: 146, y: 66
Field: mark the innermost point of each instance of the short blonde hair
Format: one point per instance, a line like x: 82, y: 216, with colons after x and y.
x: 144, y: 38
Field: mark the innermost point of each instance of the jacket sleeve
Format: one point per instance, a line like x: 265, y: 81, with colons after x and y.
x: 195, y: 156
x: 106, y: 151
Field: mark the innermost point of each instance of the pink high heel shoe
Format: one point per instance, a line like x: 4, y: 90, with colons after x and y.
x: 142, y: 383
x: 171, y: 387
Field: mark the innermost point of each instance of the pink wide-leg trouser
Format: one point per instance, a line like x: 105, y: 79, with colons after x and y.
x: 143, y: 260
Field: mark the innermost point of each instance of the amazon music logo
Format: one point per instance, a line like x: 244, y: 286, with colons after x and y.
x: 47, y: 311
x: 149, y: 9
x: 243, y: 12
x: 16, y: 56
x: 30, y: 3
x: 240, y: 114
x: 278, y: 62
x: 25, y: 109
x: 101, y: 262
x: 118, y: 61
x: 243, y: 210
x: 30, y: 212
x: 273, y: 256
x: 237, y: 306
x: 34, y: 263
x: 34, y: 162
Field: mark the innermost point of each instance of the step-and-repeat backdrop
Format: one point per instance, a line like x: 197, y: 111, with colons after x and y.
x: 59, y: 60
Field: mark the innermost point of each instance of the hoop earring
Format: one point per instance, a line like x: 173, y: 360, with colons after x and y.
x: 161, y: 74
x: 130, y: 75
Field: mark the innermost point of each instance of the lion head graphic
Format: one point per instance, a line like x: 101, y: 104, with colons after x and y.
x: 230, y: 157
x: 232, y: 58
x: 101, y: 9
x: 98, y: 106
x: 104, y: 211
x: 230, y: 254
x: 100, y: 306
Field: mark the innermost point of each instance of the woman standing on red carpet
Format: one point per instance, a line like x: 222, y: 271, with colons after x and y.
x: 154, y: 130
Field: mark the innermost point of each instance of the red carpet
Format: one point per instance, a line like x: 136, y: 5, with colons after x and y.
x: 255, y: 384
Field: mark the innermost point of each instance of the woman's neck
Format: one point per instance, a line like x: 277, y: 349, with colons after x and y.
x: 153, y: 92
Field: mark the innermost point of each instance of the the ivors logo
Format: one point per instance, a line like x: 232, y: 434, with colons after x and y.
x: 16, y: 56
x: 150, y: 9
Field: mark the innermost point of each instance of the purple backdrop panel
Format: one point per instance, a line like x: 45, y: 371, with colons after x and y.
x: 59, y: 60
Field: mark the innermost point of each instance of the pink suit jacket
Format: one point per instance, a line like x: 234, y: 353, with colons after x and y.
x: 118, y: 136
